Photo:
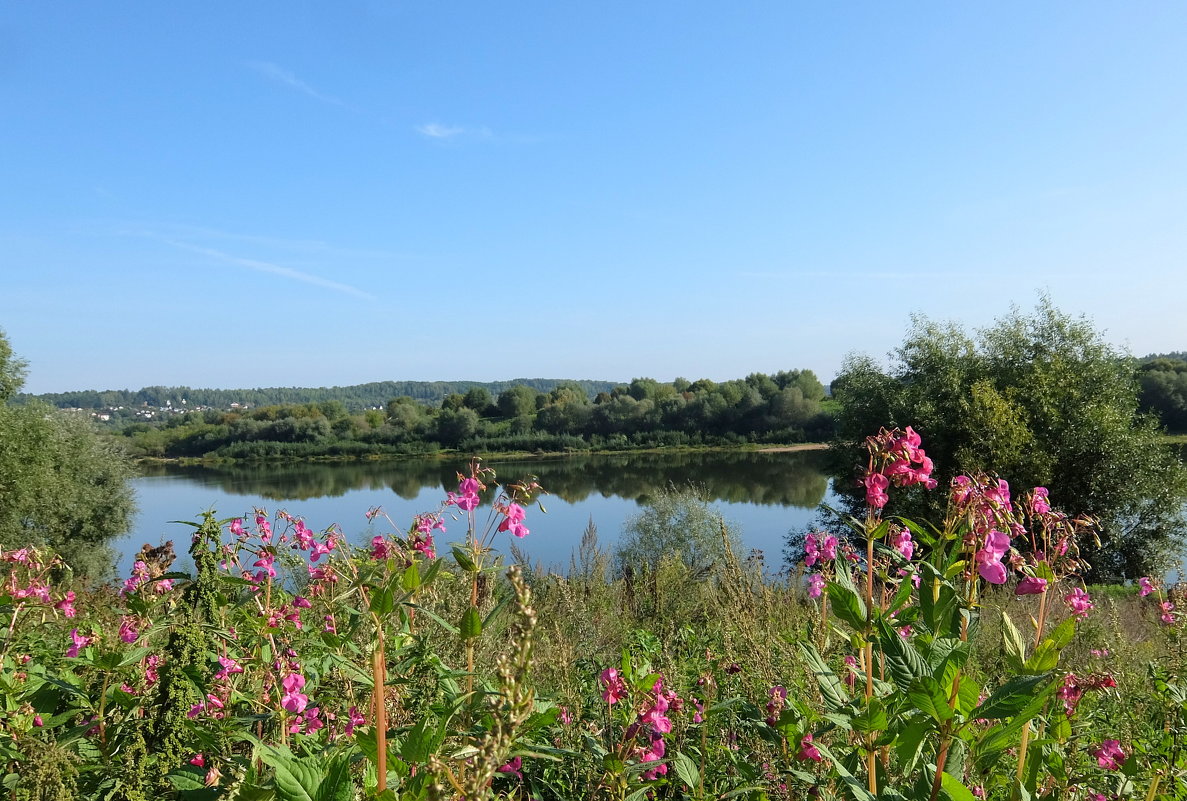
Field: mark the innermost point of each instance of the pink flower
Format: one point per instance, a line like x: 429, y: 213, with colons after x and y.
x: 1038, y: 501
x: 815, y: 585
x: 1147, y: 586
x: 1167, y: 609
x: 811, y: 550
x: 198, y: 760
x: 66, y: 605
x: 876, y: 485
x: 807, y: 750
x: 1079, y: 602
x: 293, y: 699
x: 355, y: 719
x: 512, y: 767
x: 614, y: 687
x: 1031, y: 585
x: 379, y: 548
x: 37, y: 721
x: 466, y: 498
x: 227, y: 667
x: 903, y: 544
x: 1108, y: 755
x: 129, y: 632
x: 77, y: 642
x: 514, y: 521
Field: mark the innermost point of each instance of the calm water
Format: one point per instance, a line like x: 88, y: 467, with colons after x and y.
x: 764, y: 494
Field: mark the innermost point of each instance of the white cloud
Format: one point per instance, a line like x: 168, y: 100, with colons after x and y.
x: 274, y: 269
x: 286, y: 78
x: 435, y: 130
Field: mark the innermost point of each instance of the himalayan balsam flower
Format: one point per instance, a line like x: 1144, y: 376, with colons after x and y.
x: 129, y: 631
x: 513, y: 523
x: 1147, y: 586
x: 294, y: 700
x: 807, y: 750
x: 66, y: 605
x: 815, y: 585
x: 1031, y: 585
x: 614, y: 687
x: 1079, y: 602
x: 1109, y: 755
x: 512, y: 767
x: 77, y: 642
x: 989, y: 564
x: 1167, y: 609
x: 903, y: 544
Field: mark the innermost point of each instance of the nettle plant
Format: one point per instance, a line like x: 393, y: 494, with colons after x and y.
x: 281, y: 668
x: 905, y: 718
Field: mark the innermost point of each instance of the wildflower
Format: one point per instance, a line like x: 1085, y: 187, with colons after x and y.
x: 811, y: 550
x: 303, y: 536
x: 37, y: 721
x: 815, y: 585
x: 1079, y: 602
x: 778, y: 695
x: 512, y: 767
x: 237, y: 528
x: 903, y: 544
x: 876, y: 485
x: 466, y: 498
x: 851, y: 672
x: 77, y: 642
x: 1100, y: 653
x: 1108, y: 755
x: 1147, y: 586
x: 1070, y: 692
x: 513, y: 523
x: 151, y: 663
x: 1038, y: 501
x: 807, y: 750
x: 699, y: 715
x: 129, y: 632
x: 293, y: 699
x: 1167, y: 608
x: 226, y: 667
x: 198, y: 760
x: 379, y: 548
x: 66, y: 605
x: 1031, y: 585
x: 355, y: 719
x: 614, y: 687
x: 212, y: 776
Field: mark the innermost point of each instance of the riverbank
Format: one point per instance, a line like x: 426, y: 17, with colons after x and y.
x: 199, y: 461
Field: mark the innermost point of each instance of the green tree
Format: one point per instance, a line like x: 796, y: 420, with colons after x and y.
x: 677, y: 520
x: 1039, y: 399
x: 60, y: 483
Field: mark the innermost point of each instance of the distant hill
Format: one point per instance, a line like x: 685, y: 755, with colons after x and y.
x: 355, y: 398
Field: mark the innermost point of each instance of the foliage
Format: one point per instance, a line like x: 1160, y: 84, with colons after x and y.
x: 1041, y: 398
x: 785, y: 407
x: 680, y: 523
x: 60, y: 483
x: 407, y: 668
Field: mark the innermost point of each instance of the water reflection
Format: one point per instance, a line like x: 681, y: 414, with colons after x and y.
x: 781, y: 479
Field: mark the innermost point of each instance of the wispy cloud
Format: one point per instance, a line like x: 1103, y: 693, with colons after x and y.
x: 273, y: 269
x: 282, y: 76
x: 435, y: 130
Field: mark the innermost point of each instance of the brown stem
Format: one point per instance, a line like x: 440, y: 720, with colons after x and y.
x: 1024, y: 743
x: 378, y: 676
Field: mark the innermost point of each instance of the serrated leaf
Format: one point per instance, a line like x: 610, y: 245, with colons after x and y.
x: 337, y: 784
x: 1009, y: 699
x: 904, y: 663
x: 295, y: 780
x: 471, y: 624
x: 928, y: 697
x: 411, y: 578
x: 831, y: 687
x: 909, y: 741
x: 1014, y: 647
x: 846, y: 605
x: 686, y: 770
x: 871, y: 718
x: 463, y: 559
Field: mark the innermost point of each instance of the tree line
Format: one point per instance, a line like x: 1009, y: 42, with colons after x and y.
x: 788, y: 406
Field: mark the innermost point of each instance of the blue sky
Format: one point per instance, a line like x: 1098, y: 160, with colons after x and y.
x: 297, y: 193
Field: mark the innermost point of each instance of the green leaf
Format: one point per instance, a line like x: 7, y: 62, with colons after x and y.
x: 831, y: 687
x: 295, y: 780
x: 337, y: 785
x: 954, y: 789
x: 847, y: 605
x: 928, y: 697
x: 904, y: 663
x: 1009, y: 699
x: 909, y: 741
x: 686, y: 770
x: 871, y: 718
x: 463, y: 559
x: 471, y: 625
x: 968, y: 696
x: 1014, y: 647
x: 383, y: 601
x: 853, y: 785
x: 411, y: 578
x: 1063, y: 633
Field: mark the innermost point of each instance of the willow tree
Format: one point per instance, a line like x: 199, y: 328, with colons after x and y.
x: 1039, y: 399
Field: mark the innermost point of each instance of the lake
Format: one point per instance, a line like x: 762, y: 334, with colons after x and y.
x: 765, y: 494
